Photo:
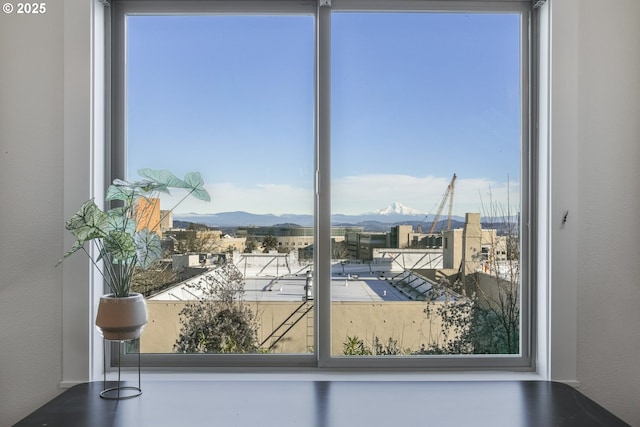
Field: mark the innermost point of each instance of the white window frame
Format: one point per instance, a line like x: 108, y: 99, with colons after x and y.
x: 323, y: 358
x: 524, y: 361
x: 555, y: 294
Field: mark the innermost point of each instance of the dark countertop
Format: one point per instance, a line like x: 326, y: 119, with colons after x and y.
x: 327, y: 403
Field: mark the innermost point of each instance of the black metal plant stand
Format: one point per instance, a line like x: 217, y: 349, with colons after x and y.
x: 120, y: 391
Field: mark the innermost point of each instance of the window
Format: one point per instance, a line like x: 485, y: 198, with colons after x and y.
x: 390, y: 140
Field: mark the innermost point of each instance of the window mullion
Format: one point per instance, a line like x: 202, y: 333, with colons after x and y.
x: 323, y: 183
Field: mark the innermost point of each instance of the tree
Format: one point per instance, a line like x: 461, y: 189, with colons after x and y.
x: 250, y: 246
x: 478, y: 322
x: 486, y: 318
x: 219, y: 322
x: 269, y: 243
x: 445, y: 302
x: 197, y: 241
x: 340, y: 250
x: 153, y: 280
x: 497, y: 313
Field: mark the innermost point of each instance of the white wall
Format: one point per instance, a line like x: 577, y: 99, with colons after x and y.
x: 31, y: 136
x: 596, y: 116
x: 609, y: 205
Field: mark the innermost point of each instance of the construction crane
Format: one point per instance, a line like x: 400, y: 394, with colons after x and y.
x: 447, y: 195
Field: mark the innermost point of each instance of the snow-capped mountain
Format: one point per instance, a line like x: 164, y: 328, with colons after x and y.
x: 380, y: 220
x: 397, y: 208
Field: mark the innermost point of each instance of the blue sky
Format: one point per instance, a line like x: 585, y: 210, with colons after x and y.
x: 415, y: 99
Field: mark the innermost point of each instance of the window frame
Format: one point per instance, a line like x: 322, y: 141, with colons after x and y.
x: 322, y: 359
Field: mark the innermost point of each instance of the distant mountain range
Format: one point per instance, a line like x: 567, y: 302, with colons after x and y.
x: 397, y: 208
x: 379, y: 220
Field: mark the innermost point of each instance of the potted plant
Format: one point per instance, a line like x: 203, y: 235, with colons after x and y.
x: 125, y: 239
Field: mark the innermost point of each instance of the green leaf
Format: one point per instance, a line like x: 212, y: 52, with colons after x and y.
x: 148, y: 187
x: 120, y: 245
x: 194, y: 182
x: 148, y: 247
x: 201, y: 194
x: 75, y: 248
x: 119, y: 220
x: 88, y: 223
x: 120, y: 212
x: 162, y: 177
x: 134, y: 189
x: 118, y: 192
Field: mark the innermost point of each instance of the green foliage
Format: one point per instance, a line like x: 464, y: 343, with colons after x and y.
x: 89, y: 222
x: 196, y: 239
x: 489, y: 336
x: 355, y: 346
x: 269, y: 243
x: 468, y: 325
x: 122, y: 244
x: 340, y: 250
x: 209, y: 330
x: 455, y: 317
x: 148, y: 248
x: 250, y: 246
x: 218, y: 322
x: 477, y: 323
x: 154, y: 279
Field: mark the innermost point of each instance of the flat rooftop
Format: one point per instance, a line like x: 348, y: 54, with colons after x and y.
x: 357, y: 286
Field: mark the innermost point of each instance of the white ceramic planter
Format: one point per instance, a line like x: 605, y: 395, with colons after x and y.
x: 121, y: 318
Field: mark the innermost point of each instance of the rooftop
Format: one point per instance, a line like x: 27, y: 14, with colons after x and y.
x: 360, y: 285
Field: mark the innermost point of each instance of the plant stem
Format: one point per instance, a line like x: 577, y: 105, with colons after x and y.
x: 174, y: 206
x: 102, y: 273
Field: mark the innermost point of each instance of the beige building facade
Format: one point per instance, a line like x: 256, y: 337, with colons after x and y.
x: 403, y: 321
x: 470, y: 249
x: 148, y: 215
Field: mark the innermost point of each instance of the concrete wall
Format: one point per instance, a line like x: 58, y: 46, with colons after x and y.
x: 595, y: 127
x: 452, y: 248
x: 467, y: 243
x: 404, y: 321
x: 180, y: 262
x: 471, y: 242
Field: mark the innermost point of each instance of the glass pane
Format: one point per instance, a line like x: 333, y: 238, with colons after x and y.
x: 231, y: 97
x: 426, y: 156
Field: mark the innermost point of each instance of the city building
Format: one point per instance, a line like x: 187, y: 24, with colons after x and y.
x: 291, y: 237
x: 148, y: 215
x: 166, y: 220
x: 403, y: 236
x: 360, y: 245
x: 473, y: 245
